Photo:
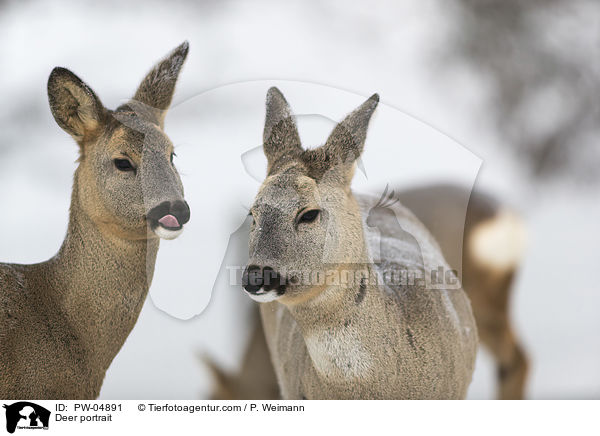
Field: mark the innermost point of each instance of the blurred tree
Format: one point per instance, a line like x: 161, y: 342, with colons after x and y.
x: 542, y: 61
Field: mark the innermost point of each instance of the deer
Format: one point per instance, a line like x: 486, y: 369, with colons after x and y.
x: 493, y: 240
x: 484, y: 244
x: 334, y: 328
x: 63, y: 321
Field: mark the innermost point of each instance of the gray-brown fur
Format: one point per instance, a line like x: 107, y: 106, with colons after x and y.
x: 63, y: 321
x: 441, y: 209
x: 402, y: 341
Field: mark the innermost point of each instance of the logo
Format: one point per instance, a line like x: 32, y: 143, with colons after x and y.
x: 26, y: 415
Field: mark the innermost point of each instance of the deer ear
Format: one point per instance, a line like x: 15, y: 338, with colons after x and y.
x: 74, y: 105
x: 335, y: 160
x: 156, y: 90
x: 346, y: 141
x: 280, y: 137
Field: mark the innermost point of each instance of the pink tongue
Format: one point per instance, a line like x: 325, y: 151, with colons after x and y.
x: 169, y: 221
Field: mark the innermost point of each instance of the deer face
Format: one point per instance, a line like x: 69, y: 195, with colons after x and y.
x: 304, y: 216
x: 288, y: 235
x: 126, y: 181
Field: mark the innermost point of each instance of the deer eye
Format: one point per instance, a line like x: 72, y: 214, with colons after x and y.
x: 309, y: 216
x: 172, y: 156
x: 124, y: 165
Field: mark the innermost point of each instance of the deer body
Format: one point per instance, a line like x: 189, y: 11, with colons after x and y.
x: 63, y: 321
x: 362, y: 339
x: 67, y: 318
x: 396, y: 343
x: 441, y: 208
x: 494, y: 244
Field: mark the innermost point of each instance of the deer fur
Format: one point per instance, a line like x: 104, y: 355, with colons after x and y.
x: 470, y: 247
x: 492, y: 238
x: 360, y: 340
x: 63, y: 321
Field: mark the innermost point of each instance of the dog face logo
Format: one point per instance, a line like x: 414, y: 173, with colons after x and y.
x: 26, y: 415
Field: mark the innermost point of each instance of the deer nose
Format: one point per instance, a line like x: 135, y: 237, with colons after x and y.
x: 272, y: 279
x: 172, y: 215
x: 260, y: 280
x: 252, y: 279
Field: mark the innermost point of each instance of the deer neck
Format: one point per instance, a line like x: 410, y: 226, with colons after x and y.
x: 100, y: 282
x: 353, y: 268
x: 332, y: 323
x: 336, y: 327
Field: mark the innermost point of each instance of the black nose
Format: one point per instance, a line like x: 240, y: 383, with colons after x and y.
x: 252, y: 279
x: 181, y: 210
x: 256, y: 278
x: 271, y: 279
x: 169, y: 214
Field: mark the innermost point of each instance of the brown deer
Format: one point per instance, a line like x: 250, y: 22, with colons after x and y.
x: 492, y: 245
x: 63, y: 321
x: 488, y: 239
x: 360, y: 337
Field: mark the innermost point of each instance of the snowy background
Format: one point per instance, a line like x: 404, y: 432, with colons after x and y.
x: 517, y: 88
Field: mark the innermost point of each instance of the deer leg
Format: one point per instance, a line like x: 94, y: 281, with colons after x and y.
x: 490, y: 295
x: 511, y: 362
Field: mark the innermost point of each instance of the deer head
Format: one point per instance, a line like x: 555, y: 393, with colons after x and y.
x: 126, y: 182
x: 305, y: 219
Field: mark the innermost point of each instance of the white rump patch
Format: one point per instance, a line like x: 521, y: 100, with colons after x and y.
x: 499, y: 243
x: 163, y: 233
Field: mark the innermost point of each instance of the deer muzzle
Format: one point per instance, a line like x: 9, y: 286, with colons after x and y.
x: 263, y: 284
x: 168, y: 218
